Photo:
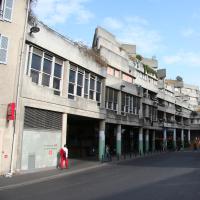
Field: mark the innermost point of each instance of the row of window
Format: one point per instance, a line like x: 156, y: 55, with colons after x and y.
x: 45, y: 69
x: 116, y: 73
x: 147, y: 78
x: 84, y: 84
x: 6, y: 7
x: 130, y: 103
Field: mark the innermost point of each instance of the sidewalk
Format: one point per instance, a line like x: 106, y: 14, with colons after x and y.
x: 75, y: 166
x: 36, y: 176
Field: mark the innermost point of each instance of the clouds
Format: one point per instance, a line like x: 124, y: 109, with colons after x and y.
x: 136, y: 30
x: 54, y: 12
x: 183, y: 58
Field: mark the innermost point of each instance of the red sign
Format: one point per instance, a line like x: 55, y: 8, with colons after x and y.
x: 11, y: 111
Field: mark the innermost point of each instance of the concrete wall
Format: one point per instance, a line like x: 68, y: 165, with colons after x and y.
x: 14, y: 30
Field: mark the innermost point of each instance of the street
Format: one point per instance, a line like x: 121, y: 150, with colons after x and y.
x: 166, y: 176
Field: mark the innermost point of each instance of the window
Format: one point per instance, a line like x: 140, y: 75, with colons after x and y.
x: 130, y: 103
x: 110, y: 71
x: 113, y: 72
x: 111, y: 99
x: 92, y: 86
x: 72, y: 83
x: 45, y: 69
x: 6, y: 9
x: 98, y: 90
x: 117, y: 73
x: 127, y: 78
x: 3, y: 49
x: 83, y: 84
x: 86, y: 85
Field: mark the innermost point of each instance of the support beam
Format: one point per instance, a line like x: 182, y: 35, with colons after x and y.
x: 189, y: 137
x: 182, y: 138
x: 101, y: 139
x: 153, y: 140
x: 147, y: 141
x: 119, y: 140
x: 141, y: 141
x: 164, y: 138
x: 174, y: 139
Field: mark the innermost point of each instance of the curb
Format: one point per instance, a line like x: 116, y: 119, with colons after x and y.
x: 47, y: 178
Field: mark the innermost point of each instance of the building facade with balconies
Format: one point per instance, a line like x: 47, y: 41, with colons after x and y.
x: 86, y: 98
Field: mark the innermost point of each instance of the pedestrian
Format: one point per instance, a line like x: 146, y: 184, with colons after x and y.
x: 108, y: 156
x: 64, y: 157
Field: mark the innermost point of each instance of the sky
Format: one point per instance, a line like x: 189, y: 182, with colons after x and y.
x: 166, y: 29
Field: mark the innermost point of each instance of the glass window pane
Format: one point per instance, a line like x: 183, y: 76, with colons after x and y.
x: 86, y: 86
x: 91, y: 94
x: 36, y: 62
x: 72, y: 76
x: 79, y: 91
x: 98, y: 86
x: 57, y: 70
x: 47, y: 66
x: 45, y: 79
x: 98, y: 96
x: 80, y: 79
x: 115, y: 96
x: 71, y: 88
x: 35, y: 76
x: 56, y: 83
x: 92, y: 84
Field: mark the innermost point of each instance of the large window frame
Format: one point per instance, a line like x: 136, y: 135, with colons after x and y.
x: 111, y: 99
x: 83, y: 83
x: 6, y: 10
x: 129, y: 104
x: 45, y: 69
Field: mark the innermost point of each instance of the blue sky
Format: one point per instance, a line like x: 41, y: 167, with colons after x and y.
x: 167, y: 29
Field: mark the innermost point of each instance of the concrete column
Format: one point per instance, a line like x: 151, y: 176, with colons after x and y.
x: 153, y: 140
x: 189, y: 138
x: 119, y: 100
x: 101, y: 139
x: 164, y: 138
x: 147, y: 141
x: 174, y: 139
x: 119, y: 140
x: 141, y: 141
x: 182, y: 138
x: 64, y: 129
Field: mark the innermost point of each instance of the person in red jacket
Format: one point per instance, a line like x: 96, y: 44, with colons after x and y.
x: 64, y: 157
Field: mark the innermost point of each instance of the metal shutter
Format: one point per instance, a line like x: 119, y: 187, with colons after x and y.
x: 45, y: 119
x: 3, y: 49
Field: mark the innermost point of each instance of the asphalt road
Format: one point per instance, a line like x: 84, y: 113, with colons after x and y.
x: 168, y: 176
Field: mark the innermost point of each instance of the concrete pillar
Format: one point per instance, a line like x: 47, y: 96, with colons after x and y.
x: 174, y: 139
x: 64, y: 129
x: 140, y: 141
x: 119, y: 140
x: 153, y: 140
x: 147, y: 141
x: 101, y: 139
x: 182, y: 138
x: 189, y: 138
x: 164, y: 138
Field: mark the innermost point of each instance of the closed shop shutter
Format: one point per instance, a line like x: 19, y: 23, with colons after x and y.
x: 41, y: 138
x: 45, y: 119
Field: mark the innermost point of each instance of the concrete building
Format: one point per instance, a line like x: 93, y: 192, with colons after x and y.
x: 66, y: 93
x: 13, y: 18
